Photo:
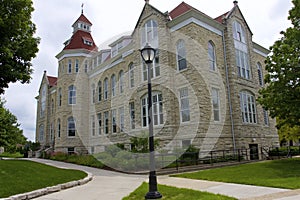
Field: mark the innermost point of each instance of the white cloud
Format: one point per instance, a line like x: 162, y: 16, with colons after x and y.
x: 54, y: 19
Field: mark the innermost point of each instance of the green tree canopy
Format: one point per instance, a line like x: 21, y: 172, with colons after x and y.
x: 10, y: 133
x: 281, y: 96
x: 17, y: 46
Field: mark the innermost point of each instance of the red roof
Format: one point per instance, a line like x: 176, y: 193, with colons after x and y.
x: 220, y: 18
x: 52, y: 80
x: 82, y: 18
x: 77, y: 41
x: 180, y: 9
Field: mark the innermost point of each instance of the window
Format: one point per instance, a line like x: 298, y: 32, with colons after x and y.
x: 248, y: 107
x: 184, y: 105
x: 93, y: 93
x: 71, y: 150
x: 58, y: 128
x: 132, y: 115
x: 41, y: 133
x: 150, y: 33
x: 52, y: 106
x: 131, y: 75
x: 121, y: 82
x: 238, y: 32
x: 114, y: 120
x: 59, y: 97
x: 242, y: 62
x: 211, y: 56
x: 216, y: 103
x: 105, y: 88
x: 99, y: 91
x: 260, y: 75
x: 72, y: 95
x: 51, y: 132
x: 157, y: 110
x: 76, y: 66
x: 154, y: 69
x: 99, y: 117
x: 181, y: 55
x: 121, y: 119
x: 113, y: 85
x: 266, y: 117
x: 106, y: 121
x: 86, y: 66
x: 93, y: 123
x: 71, y: 127
x: 43, y: 101
x: 70, y: 66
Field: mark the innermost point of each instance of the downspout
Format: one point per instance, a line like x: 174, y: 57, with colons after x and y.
x: 228, y: 91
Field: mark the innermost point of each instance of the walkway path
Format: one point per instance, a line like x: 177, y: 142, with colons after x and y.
x: 114, y: 186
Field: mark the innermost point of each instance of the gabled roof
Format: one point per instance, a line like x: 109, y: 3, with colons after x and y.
x: 77, y: 41
x: 52, y: 81
x: 82, y: 18
x: 180, y: 9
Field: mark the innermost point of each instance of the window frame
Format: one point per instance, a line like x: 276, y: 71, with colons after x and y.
x: 212, y: 56
x: 71, y: 130
x: 157, y: 110
x: 248, y: 108
x: 72, y: 95
x: 215, y: 96
x: 184, y: 97
x: 181, y: 55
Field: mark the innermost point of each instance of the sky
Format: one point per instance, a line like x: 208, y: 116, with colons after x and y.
x: 54, y: 18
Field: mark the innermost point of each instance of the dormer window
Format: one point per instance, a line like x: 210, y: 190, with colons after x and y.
x: 87, y: 41
x: 115, y: 49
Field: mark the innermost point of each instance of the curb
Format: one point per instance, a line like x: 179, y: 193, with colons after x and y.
x: 52, y: 189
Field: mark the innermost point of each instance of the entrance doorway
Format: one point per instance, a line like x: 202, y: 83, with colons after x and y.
x: 253, y: 151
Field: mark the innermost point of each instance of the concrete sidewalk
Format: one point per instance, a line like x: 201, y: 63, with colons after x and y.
x: 110, y: 185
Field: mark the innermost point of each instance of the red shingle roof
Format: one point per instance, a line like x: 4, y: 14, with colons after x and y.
x: 77, y: 41
x: 220, y: 18
x: 180, y: 9
x: 82, y: 18
x: 52, y: 80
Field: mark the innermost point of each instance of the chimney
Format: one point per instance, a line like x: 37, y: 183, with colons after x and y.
x: 235, y: 3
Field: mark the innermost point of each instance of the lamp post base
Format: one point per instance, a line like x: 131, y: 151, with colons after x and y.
x: 153, y: 195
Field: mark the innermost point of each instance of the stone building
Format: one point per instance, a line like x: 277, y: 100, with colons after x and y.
x: 206, y: 76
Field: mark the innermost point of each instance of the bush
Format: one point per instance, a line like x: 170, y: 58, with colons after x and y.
x: 285, y: 151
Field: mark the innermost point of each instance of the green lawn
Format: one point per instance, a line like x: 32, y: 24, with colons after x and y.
x: 20, y: 176
x: 276, y: 173
x: 173, y: 193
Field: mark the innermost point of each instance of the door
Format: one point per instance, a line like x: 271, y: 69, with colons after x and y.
x: 253, y: 151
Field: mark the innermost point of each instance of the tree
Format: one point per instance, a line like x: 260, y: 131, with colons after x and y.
x: 10, y: 133
x: 17, y: 46
x: 281, y: 96
x: 287, y: 133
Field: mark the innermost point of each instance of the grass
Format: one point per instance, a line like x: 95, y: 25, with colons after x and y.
x: 20, y: 176
x: 173, y: 193
x: 11, y: 155
x: 277, y: 173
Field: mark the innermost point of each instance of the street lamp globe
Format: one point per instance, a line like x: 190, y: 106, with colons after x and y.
x: 148, y: 54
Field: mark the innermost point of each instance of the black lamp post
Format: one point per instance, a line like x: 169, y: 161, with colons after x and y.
x: 148, y: 55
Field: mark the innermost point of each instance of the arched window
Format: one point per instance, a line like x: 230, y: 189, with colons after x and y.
x: 157, y: 109
x: 211, y: 56
x: 248, y: 107
x: 58, y: 128
x: 150, y: 33
x: 76, y: 65
x: 105, y: 88
x: 69, y: 66
x: 43, y: 101
x: 72, y: 95
x: 260, y: 75
x: 93, y: 93
x: 241, y: 51
x: 59, y: 97
x: 121, y: 81
x: 238, y: 32
x: 113, y: 85
x: 52, y: 106
x: 41, y: 133
x: 71, y: 127
x: 131, y: 75
x: 99, y: 91
x: 181, y: 55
